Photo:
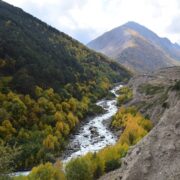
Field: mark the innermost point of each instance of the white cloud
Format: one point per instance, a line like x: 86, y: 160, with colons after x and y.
x: 87, y: 19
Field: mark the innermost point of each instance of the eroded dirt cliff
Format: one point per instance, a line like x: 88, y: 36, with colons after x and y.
x: 156, y: 156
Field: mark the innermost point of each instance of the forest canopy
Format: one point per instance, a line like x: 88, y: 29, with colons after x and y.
x: 48, y: 85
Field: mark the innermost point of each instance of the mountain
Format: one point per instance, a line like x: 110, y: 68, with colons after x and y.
x: 137, y: 48
x: 157, y: 96
x: 35, y: 53
x: 48, y: 84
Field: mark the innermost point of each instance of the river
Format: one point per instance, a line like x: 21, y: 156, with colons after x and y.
x: 92, y: 136
x: 95, y: 134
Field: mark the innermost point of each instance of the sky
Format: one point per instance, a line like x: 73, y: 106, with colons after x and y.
x: 85, y: 20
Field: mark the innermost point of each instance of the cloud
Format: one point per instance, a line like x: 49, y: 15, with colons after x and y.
x: 87, y: 19
x: 174, y: 27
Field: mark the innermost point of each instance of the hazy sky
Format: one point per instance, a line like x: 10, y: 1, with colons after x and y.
x: 86, y: 19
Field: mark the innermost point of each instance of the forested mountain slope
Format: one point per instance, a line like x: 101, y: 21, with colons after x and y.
x: 48, y: 83
x: 37, y: 54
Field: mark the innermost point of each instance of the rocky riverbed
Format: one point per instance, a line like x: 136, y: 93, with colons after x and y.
x: 95, y: 134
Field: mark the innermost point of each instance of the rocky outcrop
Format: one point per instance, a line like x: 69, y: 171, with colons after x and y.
x: 156, y: 156
x: 153, y: 94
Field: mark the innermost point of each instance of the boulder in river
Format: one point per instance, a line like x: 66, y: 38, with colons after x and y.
x: 93, y: 130
x: 102, y: 137
x: 86, y: 135
x: 74, y: 146
x: 94, y: 135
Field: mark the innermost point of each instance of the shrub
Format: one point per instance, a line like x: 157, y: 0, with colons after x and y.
x: 125, y: 96
x: 150, y: 89
x: 93, y: 165
x: 177, y: 86
x: 46, y: 172
x: 78, y: 169
x: 112, y: 165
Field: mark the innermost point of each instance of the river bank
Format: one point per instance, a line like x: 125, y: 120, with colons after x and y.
x: 95, y: 133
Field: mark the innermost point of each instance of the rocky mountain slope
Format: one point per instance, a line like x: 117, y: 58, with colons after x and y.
x: 137, y: 48
x: 157, y: 155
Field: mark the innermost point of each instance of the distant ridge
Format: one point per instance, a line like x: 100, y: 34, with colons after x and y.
x: 137, y: 47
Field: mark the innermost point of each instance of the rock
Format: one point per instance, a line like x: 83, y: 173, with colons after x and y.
x: 93, y: 128
x: 171, y: 147
x: 157, y: 155
x: 177, y: 125
x: 94, y: 135
x: 177, y: 128
x: 94, y: 132
x: 86, y: 135
x: 74, y: 146
x: 102, y: 137
x: 95, y: 141
x: 104, y: 105
x: 147, y: 155
x: 124, y: 162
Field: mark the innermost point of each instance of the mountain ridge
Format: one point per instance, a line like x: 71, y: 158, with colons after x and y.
x: 128, y: 42
x: 27, y: 49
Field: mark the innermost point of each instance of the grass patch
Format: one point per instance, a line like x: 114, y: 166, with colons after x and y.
x: 176, y: 87
x: 150, y: 89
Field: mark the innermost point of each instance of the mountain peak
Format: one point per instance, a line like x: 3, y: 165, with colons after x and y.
x: 137, y: 47
x: 133, y: 25
x: 138, y: 27
x: 130, y: 23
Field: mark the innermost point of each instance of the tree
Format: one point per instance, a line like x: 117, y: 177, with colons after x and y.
x: 73, y: 104
x: 50, y: 142
x: 6, y: 130
x: 46, y: 172
x: 72, y: 119
x: 38, y: 91
x: 59, y: 116
x: 8, y: 157
x: 112, y: 165
x: 78, y: 169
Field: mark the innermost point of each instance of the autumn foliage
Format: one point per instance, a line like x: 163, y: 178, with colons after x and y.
x: 134, y: 127
x: 40, y: 125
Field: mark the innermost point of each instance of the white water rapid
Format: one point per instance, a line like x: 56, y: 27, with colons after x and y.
x: 94, y: 135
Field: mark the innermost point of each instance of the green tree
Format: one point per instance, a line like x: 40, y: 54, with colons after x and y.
x: 78, y: 169
x: 6, y: 130
x: 8, y: 157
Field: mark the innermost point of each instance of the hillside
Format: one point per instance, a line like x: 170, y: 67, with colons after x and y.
x: 157, y: 156
x: 137, y: 48
x: 34, y: 53
x: 48, y: 85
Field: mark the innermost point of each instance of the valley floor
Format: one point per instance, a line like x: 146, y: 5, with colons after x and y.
x: 94, y: 135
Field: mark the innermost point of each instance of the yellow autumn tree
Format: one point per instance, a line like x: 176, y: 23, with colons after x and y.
x: 7, y: 130
x: 50, y: 141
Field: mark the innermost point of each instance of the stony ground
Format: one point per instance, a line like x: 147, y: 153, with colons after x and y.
x: 157, y: 156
